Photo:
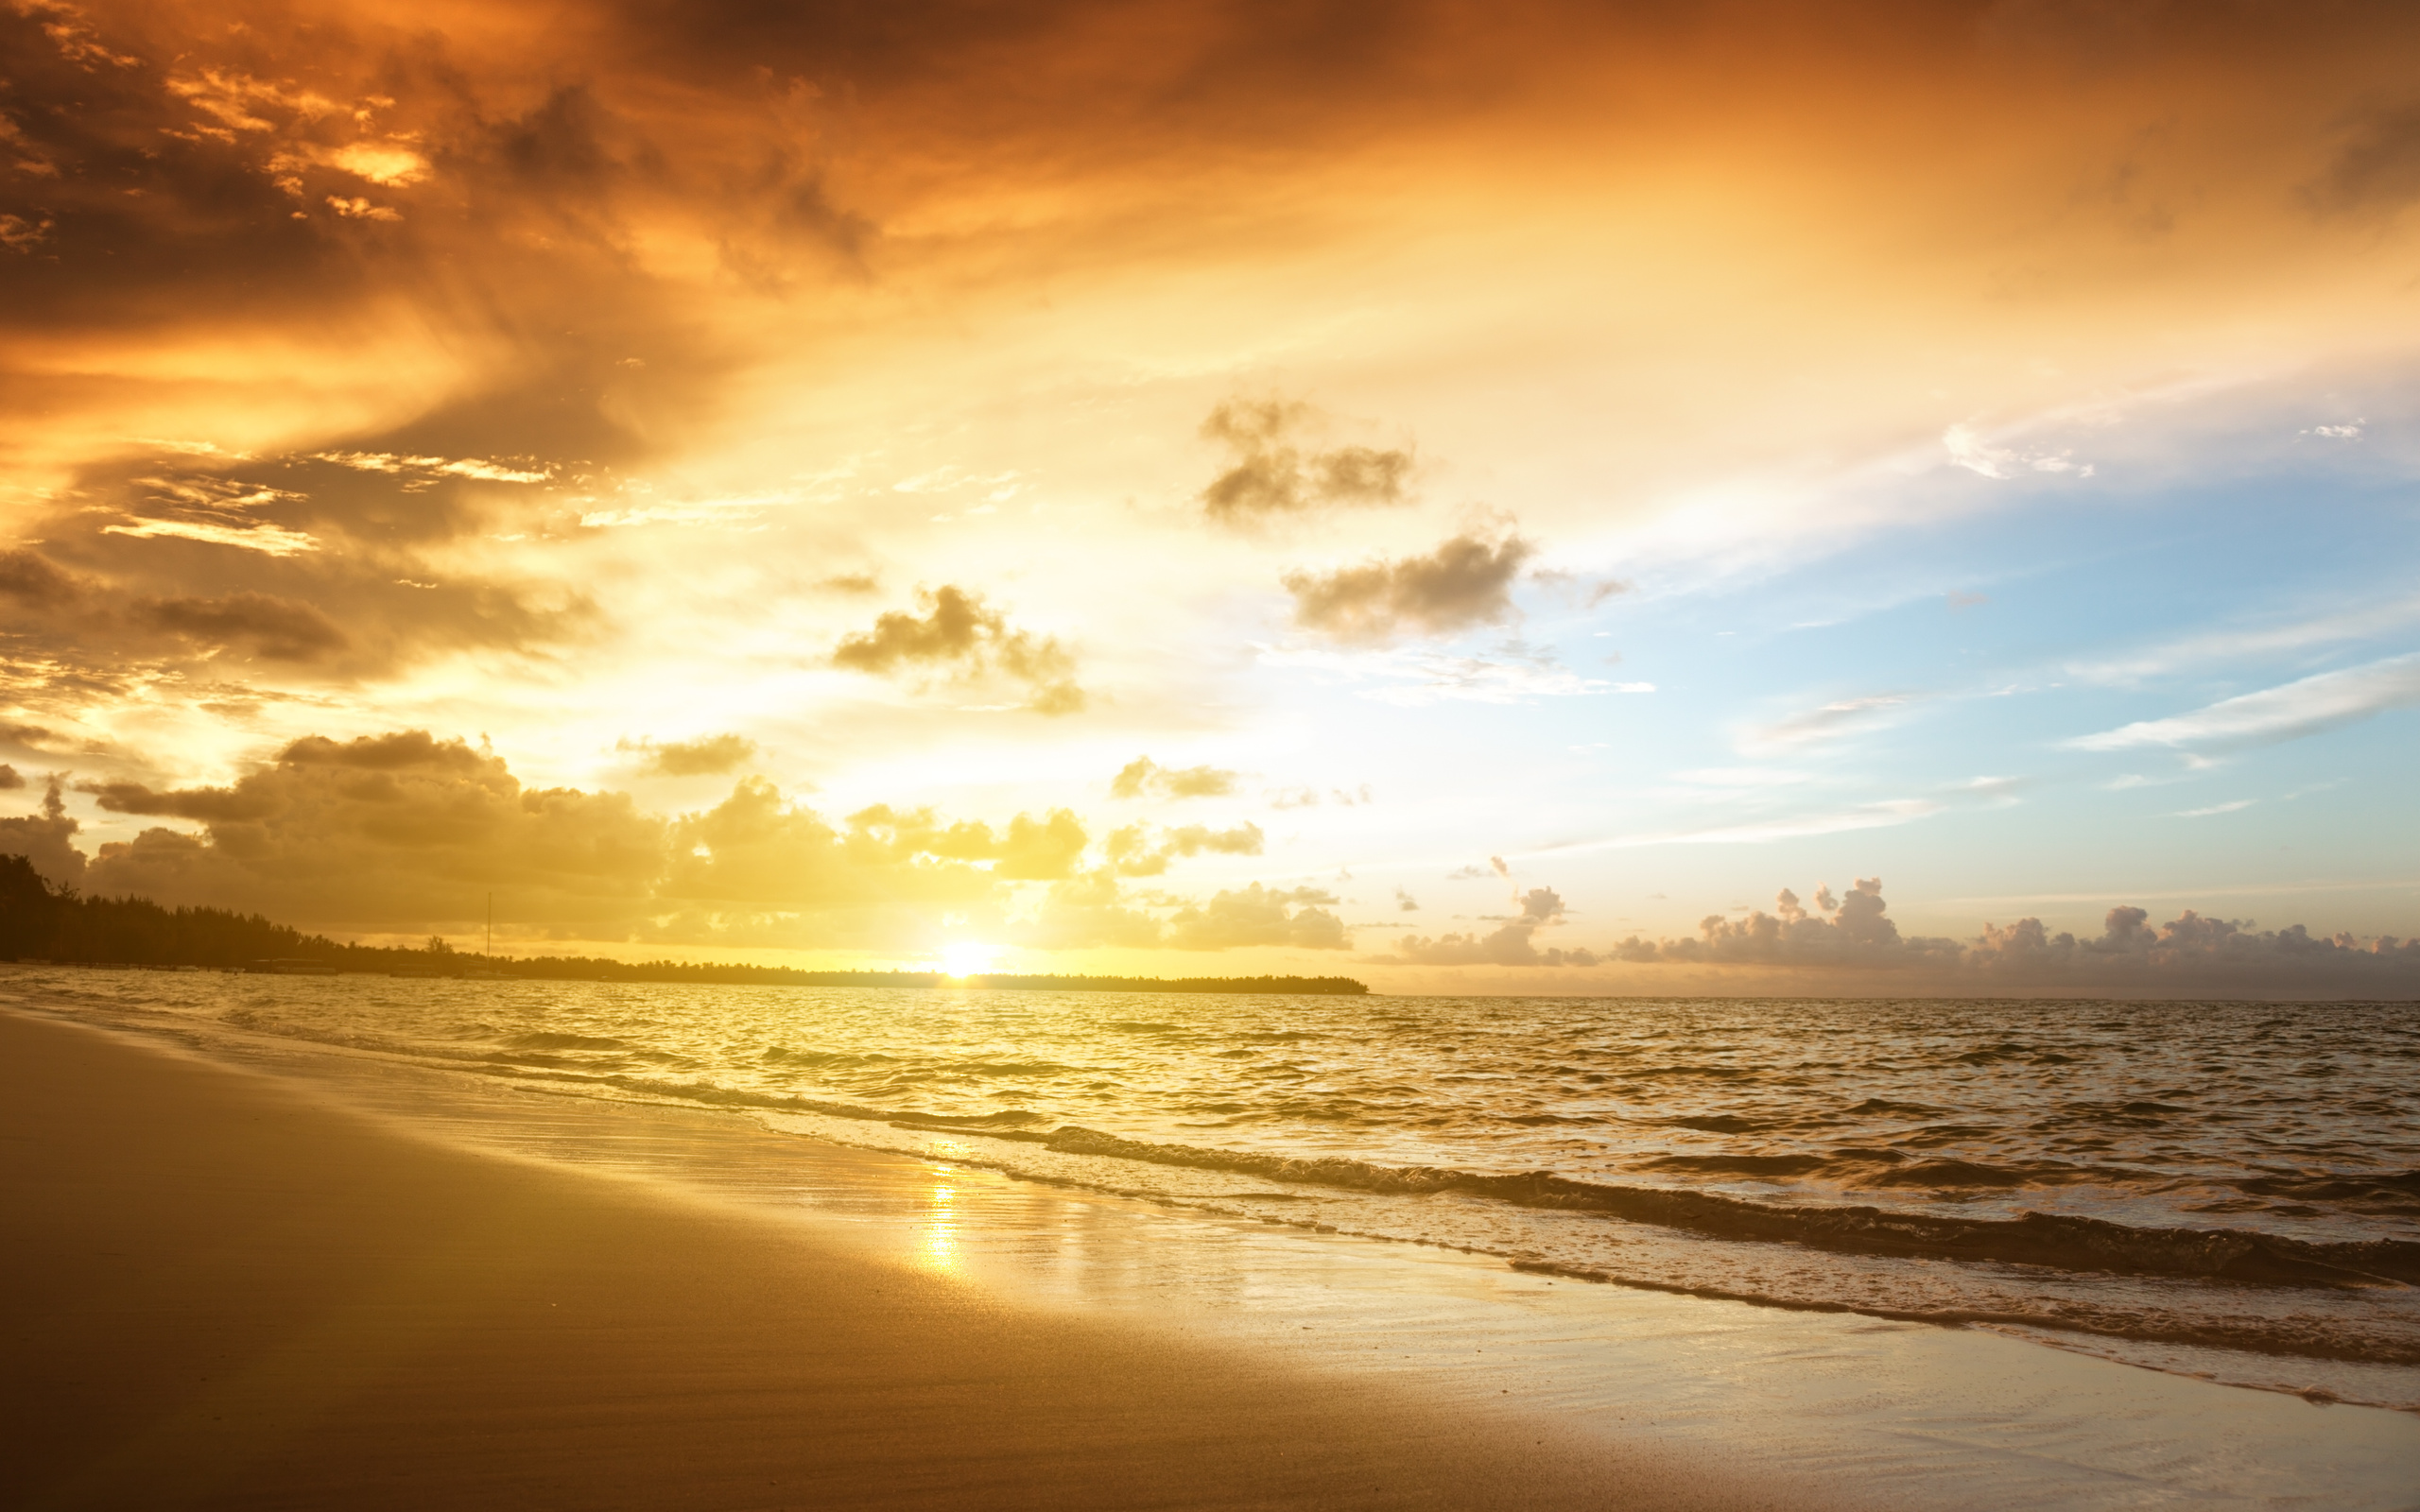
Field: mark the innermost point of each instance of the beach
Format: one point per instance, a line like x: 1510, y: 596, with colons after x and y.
x: 231, y: 1295
x: 298, y: 1277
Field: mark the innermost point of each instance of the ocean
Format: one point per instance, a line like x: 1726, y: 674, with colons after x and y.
x: 2222, y: 1190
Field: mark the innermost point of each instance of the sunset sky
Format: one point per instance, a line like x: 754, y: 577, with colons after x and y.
x: 1426, y: 491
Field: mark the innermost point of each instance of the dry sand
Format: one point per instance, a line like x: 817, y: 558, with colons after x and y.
x: 222, y: 1292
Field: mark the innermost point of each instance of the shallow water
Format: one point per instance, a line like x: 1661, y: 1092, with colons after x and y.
x: 2232, y: 1190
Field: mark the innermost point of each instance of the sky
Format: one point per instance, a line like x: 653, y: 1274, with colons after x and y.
x: 1536, y: 497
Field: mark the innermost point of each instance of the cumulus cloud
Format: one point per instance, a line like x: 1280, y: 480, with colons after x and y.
x: 404, y: 831
x: 2308, y: 707
x: 47, y: 839
x: 1137, y: 850
x: 1029, y: 850
x: 1092, y: 909
x: 1089, y: 911
x: 1298, y: 917
x: 1848, y: 929
x: 1143, y: 777
x: 1271, y: 474
x: 706, y: 756
x: 1849, y: 941
x: 958, y: 633
x: 1510, y: 943
x: 1464, y: 582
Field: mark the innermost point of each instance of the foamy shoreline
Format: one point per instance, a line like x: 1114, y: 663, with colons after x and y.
x: 1615, y: 1382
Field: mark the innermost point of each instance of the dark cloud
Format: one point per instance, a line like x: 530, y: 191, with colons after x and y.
x: 958, y: 633
x: 9, y: 778
x: 27, y: 578
x: 47, y: 839
x: 1464, y: 582
x: 2379, y: 167
x: 118, y: 576
x: 1270, y: 474
x: 1405, y: 902
x: 405, y: 832
x: 706, y: 756
x: 203, y: 804
x: 280, y: 630
x: 399, y: 832
x: 1143, y: 777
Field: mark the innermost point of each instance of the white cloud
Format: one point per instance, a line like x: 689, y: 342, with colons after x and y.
x: 2235, y: 646
x: 695, y: 512
x: 1968, y: 449
x: 487, y: 469
x: 1739, y: 777
x: 2307, y: 707
x: 272, y: 540
x: 2215, y: 808
x: 382, y: 163
x: 353, y: 207
x: 1422, y: 678
x: 1878, y: 816
x: 1829, y: 722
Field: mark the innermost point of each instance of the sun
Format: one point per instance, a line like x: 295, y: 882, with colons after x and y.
x: 966, y: 957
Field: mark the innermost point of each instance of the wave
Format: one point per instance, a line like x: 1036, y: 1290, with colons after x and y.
x: 2050, y: 1240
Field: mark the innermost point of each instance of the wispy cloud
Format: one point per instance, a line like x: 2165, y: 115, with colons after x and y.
x: 1831, y: 721
x: 1416, y: 678
x: 2235, y: 646
x: 2308, y: 707
x: 1862, y: 816
x: 486, y: 469
x: 273, y: 540
x: 1970, y: 448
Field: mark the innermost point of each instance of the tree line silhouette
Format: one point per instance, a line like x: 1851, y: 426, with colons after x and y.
x: 40, y: 923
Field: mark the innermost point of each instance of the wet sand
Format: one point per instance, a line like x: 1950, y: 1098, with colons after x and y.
x: 223, y: 1292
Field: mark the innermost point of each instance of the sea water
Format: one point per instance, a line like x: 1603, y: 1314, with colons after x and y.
x: 2229, y: 1190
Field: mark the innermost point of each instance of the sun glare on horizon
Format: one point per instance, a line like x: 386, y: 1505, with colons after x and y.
x: 966, y: 957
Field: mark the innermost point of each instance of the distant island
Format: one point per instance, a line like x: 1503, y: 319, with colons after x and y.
x: 41, y: 923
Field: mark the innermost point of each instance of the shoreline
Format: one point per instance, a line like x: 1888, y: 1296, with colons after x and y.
x: 237, y: 1295
x: 1796, y: 1408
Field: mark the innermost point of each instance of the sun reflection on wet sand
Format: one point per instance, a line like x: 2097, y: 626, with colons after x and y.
x: 938, y: 1239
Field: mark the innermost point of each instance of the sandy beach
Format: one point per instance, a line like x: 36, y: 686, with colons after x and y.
x: 227, y: 1293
